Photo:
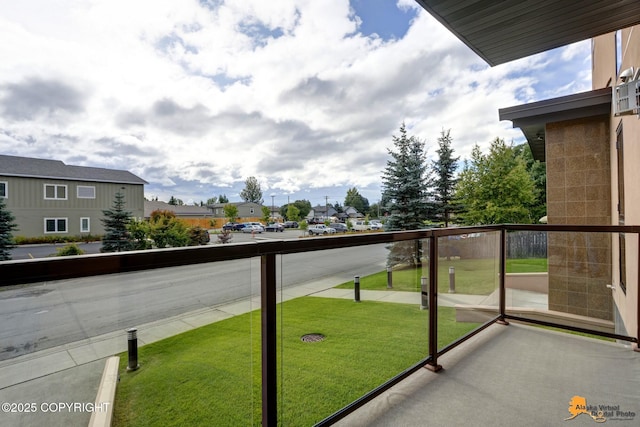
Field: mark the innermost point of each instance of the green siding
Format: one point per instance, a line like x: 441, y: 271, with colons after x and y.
x: 27, y: 203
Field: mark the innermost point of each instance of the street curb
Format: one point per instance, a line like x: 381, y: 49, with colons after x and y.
x: 106, y: 394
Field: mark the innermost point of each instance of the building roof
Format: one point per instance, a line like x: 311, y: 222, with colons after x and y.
x: 500, y: 31
x: 28, y: 167
x: 238, y: 204
x: 179, y: 210
x: 532, y: 118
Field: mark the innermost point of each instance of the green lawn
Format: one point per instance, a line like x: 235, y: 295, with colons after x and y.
x: 472, y: 276
x: 527, y: 265
x: 211, y: 375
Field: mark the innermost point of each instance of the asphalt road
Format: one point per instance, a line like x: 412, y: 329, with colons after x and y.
x: 45, y: 315
x: 43, y: 251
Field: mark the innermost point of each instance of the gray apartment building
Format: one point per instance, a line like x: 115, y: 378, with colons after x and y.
x: 48, y: 197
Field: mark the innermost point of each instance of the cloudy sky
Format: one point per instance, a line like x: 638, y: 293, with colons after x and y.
x: 196, y: 96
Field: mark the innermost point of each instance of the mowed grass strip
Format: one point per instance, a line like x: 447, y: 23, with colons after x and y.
x: 211, y: 375
x: 472, y: 276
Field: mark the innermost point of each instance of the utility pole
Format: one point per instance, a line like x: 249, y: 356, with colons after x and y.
x: 326, y: 207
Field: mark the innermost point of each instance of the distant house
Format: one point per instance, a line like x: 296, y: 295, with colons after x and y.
x: 48, y: 197
x: 321, y: 212
x: 245, y: 209
x: 181, y: 211
x: 352, y: 212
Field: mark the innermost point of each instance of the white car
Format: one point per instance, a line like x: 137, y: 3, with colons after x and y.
x: 252, y: 228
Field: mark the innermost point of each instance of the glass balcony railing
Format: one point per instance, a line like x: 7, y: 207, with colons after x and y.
x: 304, y: 331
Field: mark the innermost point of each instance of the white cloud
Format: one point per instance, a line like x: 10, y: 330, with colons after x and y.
x: 213, y: 92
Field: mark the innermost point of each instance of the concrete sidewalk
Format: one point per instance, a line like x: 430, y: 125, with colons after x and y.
x: 71, y: 373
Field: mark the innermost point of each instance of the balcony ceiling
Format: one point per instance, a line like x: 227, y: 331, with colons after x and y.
x: 500, y: 31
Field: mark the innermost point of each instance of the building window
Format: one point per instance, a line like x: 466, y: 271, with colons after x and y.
x: 3, y: 189
x: 55, y: 192
x: 620, y: 163
x: 86, y: 192
x: 623, y: 262
x: 85, y: 225
x: 55, y: 225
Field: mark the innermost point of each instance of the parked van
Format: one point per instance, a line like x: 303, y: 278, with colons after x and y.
x: 361, y: 226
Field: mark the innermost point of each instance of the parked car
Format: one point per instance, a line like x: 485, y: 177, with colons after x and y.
x: 252, y: 228
x: 276, y: 226
x: 232, y: 226
x: 375, y: 225
x: 321, y: 229
x: 339, y: 227
x: 290, y: 224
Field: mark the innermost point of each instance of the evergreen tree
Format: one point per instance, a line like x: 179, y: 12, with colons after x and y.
x: 405, y: 183
x: 115, y: 221
x: 445, y: 180
x: 252, y: 191
x: 223, y: 199
x: 7, y: 226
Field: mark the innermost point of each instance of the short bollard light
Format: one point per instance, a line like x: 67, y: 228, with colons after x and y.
x: 389, y: 278
x: 356, y: 288
x: 424, y: 294
x: 452, y: 280
x: 132, y: 339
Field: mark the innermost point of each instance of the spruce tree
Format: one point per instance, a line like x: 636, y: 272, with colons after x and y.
x: 7, y: 226
x: 406, y: 183
x: 445, y: 180
x: 116, y: 221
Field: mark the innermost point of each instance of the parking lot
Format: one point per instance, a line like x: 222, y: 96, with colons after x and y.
x: 239, y: 237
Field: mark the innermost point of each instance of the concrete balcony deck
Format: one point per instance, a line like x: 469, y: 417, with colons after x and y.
x: 515, y: 375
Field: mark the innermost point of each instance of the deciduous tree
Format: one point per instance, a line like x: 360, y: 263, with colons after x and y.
x: 231, y: 212
x: 356, y: 200
x: 495, y: 188
x: 252, y: 191
x: 293, y: 213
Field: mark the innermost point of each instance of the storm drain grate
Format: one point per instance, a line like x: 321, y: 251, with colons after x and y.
x: 312, y: 338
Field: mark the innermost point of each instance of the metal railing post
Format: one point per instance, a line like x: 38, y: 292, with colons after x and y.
x: 503, y: 273
x: 432, y: 365
x: 269, y: 341
x: 636, y: 345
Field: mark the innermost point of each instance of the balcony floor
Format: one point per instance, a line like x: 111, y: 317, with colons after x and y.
x: 513, y: 375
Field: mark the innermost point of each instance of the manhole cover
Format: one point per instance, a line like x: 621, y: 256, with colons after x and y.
x: 312, y: 338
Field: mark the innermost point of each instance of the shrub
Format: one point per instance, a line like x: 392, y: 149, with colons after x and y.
x: 70, y: 249
x: 225, y: 236
x: 198, y: 236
